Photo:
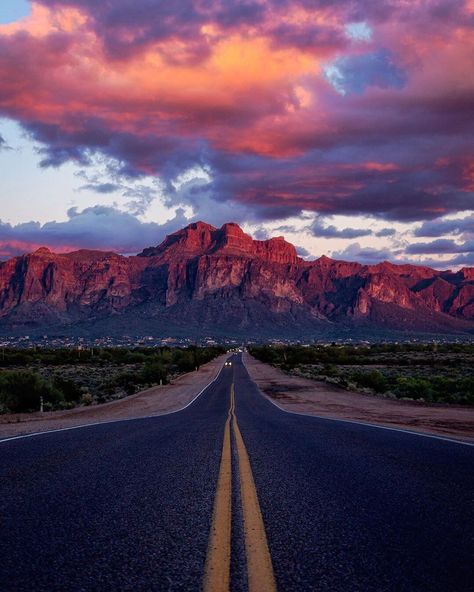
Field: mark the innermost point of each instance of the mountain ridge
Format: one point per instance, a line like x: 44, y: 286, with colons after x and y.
x: 222, y: 280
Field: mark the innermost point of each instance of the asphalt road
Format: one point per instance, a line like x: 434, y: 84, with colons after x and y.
x: 130, y: 505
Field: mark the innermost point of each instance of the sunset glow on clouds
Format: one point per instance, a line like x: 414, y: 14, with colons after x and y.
x: 347, y: 116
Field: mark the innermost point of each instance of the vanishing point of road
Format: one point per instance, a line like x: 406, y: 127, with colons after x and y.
x: 232, y: 493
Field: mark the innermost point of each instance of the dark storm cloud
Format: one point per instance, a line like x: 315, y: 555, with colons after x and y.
x: 399, y: 195
x: 237, y: 87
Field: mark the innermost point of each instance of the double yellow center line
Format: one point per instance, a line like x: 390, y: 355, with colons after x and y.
x: 259, y: 564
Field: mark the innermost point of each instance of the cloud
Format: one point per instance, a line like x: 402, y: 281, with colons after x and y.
x: 386, y: 232
x: 239, y: 88
x: 317, y: 229
x: 3, y: 144
x: 302, y: 252
x: 462, y: 260
x: 360, y: 31
x: 308, y: 36
x: 440, y: 246
x: 289, y: 188
x: 97, y: 227
x: 366, y: 255
x: 102, y: 188
x: 260, y: 234
x: 453, y: 263
x: 441, y: 226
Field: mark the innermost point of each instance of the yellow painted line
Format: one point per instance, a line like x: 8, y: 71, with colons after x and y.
x: 217, y: 569
x: 259, y: 562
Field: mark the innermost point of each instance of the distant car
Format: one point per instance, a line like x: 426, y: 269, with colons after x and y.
x: 227, y: 363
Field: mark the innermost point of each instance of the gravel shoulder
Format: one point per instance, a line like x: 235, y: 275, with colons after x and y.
x: 313, y: 397
x: 157, y: 400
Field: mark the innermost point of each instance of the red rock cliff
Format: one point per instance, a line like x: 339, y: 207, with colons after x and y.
x: 201, y: 262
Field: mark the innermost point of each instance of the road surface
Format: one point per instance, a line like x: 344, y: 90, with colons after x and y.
x: 234, y: 494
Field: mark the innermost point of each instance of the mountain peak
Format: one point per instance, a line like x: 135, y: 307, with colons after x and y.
x: 199, y: 238
x: 223, y: 277
x: 43, y: 251
x: 198, y: 226
x: 230, y: 237
x: 194, y: 239
x: 324, y: 260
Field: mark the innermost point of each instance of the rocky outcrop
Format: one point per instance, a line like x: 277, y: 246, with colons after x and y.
x: 203, y: 239
x: 227, y: 276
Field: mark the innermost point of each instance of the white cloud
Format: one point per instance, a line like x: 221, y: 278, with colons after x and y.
x: 359, y: 31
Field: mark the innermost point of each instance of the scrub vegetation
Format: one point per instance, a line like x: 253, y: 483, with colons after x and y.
x: 65, y: 378
x: 432, y: 373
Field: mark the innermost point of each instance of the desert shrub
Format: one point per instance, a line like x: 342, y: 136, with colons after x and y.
x: 437, y: 389
x: 185, y: 360
x: 125, y: 380
x: 70, y: 390
x: 329, y: 370
x: 86, y: 399
x: 134, y: 357
x: 415, y: 388
x: 22, y: 391
x: 374, y: 380
x: 153, y: 371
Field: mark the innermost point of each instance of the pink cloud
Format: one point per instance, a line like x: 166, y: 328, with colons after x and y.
x: 285, y: 109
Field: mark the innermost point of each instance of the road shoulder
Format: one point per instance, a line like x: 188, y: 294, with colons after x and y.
x: 318, y: 398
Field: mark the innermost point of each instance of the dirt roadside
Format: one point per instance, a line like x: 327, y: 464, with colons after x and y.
x: 153, y: 401
x: 313, y: 397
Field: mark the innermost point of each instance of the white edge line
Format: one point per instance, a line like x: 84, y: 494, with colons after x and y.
x: 97, y: 423
x: 354, y: 421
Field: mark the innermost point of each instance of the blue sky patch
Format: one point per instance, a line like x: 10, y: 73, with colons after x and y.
x: 12, y: 10
x: 353, y: 74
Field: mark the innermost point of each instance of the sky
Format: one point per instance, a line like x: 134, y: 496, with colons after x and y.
x: 347, y: 127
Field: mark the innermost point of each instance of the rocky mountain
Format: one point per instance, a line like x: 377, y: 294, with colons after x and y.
x: 219, y: 281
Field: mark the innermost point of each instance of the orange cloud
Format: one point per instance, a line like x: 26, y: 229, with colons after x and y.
x: 252, y: 97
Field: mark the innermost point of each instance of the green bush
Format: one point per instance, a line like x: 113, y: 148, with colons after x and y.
x: 415, y: 388
x: 329, y: 370
x: 72, y: 393
x: 374, y: 380
x: 22, y: 391
x: 153, y: 371
x: 185, y: 361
